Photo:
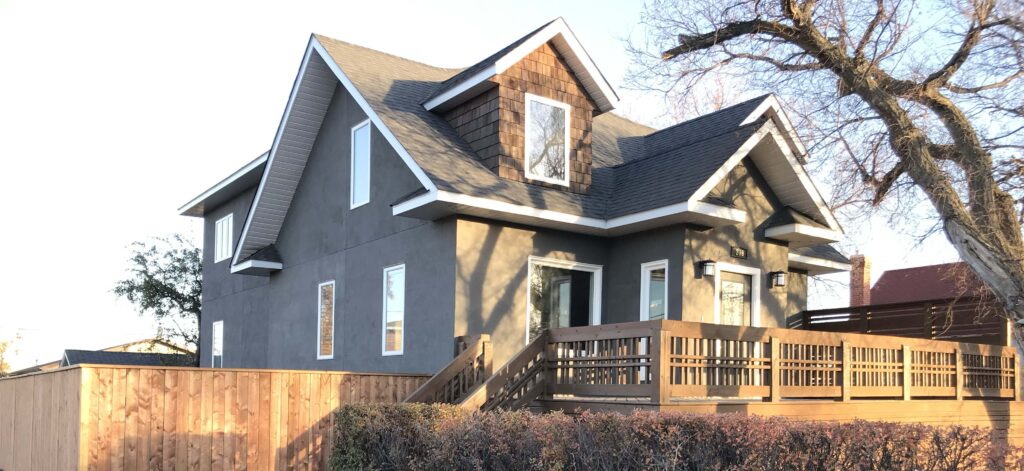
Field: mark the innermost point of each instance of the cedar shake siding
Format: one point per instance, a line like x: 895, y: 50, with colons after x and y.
x: 493, y: 123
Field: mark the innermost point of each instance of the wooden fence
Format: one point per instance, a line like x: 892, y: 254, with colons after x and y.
x: 133, y: 418
x: 968, y: 319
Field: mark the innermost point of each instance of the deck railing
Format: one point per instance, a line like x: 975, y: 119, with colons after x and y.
x: 663, y: 361
x: 468, y: 370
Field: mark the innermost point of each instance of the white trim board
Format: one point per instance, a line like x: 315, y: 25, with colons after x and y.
x: 756, y: 280
x: 798, y: 231
x: 188, y: 207
x: 319, y: 322
x: 815, y: 265
x: 712, y: 212
x: 257, y: 265
x: 645, y: 287
x: 595, y: 288
x: 567, y: 44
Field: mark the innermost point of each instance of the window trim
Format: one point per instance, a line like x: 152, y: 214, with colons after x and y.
x: 645, y: 287
x: 213, y: 339
x: 227, y: 240
x: 526, y: 128
x: 384, y: 312
x: 319, y: 322
x: 597, y: 282
x: 352, y: 163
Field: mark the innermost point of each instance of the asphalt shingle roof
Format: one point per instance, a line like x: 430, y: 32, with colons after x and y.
x: 826, y: 252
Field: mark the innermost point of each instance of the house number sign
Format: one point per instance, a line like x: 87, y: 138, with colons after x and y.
x: 738, y: 252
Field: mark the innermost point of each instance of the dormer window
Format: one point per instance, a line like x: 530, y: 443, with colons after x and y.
x: 547, y: 138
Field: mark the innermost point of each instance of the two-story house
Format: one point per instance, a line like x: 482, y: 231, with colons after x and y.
x: 401, y: 205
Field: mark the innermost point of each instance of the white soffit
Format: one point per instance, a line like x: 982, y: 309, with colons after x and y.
x: 224, y: 189
x: 802, y: 235
x: 815, y: 265
x: 559, y: 33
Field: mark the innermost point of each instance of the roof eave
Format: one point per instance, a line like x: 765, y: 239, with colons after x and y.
x: 196, y: 207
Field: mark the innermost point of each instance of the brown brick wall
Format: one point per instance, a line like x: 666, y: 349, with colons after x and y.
x: 493, y: 123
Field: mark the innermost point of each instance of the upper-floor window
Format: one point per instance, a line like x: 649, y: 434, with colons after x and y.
x: 653, y: 290
x: 222, y: 238
x: 547, y: 140
x: 325, y: 322
x: 217, y: 345
x: 360, y: 174
x: 394, y: 309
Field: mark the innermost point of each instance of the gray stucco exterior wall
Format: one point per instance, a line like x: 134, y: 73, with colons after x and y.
x: 274, y: 324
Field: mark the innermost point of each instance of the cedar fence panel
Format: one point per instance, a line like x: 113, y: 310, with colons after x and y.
x: 98, y: 417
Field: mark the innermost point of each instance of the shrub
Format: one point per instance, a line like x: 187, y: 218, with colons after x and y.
x: 427, y: 437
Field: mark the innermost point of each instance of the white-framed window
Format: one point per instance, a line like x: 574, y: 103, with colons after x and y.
x: 393, y: 336
x: 217, y: 345
x: 359, y: 184
x: 654, y: 290
x: 222, y: 238
x: 325, y: 321
x: 547, y: 140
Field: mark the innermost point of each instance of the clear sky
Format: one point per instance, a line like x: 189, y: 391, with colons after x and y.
x: 114, y: 114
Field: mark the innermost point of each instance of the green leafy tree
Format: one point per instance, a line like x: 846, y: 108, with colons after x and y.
x: 165, y: 281
x: 5, y: 348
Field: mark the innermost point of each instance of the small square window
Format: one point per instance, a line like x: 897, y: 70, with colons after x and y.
x: 547, y: 140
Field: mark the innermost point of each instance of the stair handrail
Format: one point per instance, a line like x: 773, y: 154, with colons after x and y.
x: 463, y: 374
x: 517, y: 383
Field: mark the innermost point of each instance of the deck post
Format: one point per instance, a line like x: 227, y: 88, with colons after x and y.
x: 485, y: 345
x: 659, y: 370
x: 907, y: 379
x: 1016, y: 375
x: 847, y: 367
x: 959, y: 373
x: 775, y: 370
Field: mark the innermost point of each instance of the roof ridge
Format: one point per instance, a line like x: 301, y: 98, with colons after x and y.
x: 378, y: 51
x: 919, y: 267
x: 705, y: 115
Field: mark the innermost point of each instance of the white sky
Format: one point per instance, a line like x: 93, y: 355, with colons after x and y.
x: 113, y: 114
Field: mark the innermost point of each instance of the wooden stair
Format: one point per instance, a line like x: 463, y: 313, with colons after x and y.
x: 468, y: 380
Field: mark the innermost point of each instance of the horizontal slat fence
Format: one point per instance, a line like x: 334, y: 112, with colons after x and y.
x: 967, y: 319
x: 142, y: 418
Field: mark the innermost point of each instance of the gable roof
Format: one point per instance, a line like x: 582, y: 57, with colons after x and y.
x: 943, y: 281
x: 472, y: 80
x: 241, y: 179
x: 688, y: 159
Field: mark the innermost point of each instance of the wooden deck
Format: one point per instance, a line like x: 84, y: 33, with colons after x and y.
x: 706, y: 368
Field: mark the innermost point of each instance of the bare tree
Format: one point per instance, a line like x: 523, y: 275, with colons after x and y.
x: 906, y: 102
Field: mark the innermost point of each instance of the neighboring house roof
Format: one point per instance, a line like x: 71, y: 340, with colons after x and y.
x: 947, y: 280
x: 148, y: 346
x: 683, y: 162
x: 77, y: 357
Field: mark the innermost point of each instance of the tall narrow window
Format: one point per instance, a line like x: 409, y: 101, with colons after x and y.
x: 217, y: 345
x: 222, y: 238
x: 653, y: 290
x: 394, y: 310
x: 360, y: 175
x: 325, y: 322
x: 547, y: 140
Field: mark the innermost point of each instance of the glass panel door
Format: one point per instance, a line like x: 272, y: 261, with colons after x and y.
x: 559, y: 297
x: 734, y: 298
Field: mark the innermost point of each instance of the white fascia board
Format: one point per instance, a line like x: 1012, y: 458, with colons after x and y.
x: 770, y: 129
x: 374, y: 117
x: 803, y: 229
x: 461, y: 88
x: 732, y: 215
x: 223, y: 183
x: 556, y: 28
x: 256, y: 264
x: 774, y: 107
x: 819, y: 264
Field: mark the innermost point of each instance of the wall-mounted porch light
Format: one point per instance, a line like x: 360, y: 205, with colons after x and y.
x: 707, y: 267
x: 778, y: 278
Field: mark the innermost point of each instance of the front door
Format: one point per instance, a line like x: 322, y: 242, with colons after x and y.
x: 734, y: 298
